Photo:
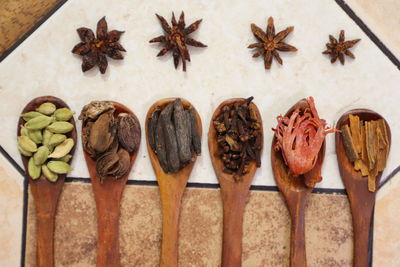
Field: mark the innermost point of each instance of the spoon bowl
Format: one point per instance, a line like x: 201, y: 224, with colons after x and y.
x: 295, y: 193
x: 172, y: 186
x: 234, y: 194
x: 45, y: 193
x: 107, y: 196
x: 362, y: 201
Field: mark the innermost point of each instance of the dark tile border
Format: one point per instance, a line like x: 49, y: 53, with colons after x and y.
x: 346, y: 8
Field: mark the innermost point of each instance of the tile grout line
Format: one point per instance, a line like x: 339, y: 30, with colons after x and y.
x: 9, y: 50
x: 347, y: 9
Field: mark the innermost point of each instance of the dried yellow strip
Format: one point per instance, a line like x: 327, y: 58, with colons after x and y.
x: 371, y: 183
x: 370, y: 131
x: 355, y: 132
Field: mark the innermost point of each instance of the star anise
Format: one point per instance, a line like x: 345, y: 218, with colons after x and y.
x: 176, y: 38
x: 270, y: 43
x: 95, y: 49
x: 338, y: 49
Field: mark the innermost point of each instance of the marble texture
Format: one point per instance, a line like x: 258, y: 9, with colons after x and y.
x: 11, y: 206
x: 266, y: 229
x: 43, y: 65
x: 382, y: 17
x: 386, y: 225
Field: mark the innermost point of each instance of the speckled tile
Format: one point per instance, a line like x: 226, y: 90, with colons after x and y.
x: 18, y: 17
x: 387, y: 231
x: 266, y: 229
x: 382, y: 17
x: 11, y: 201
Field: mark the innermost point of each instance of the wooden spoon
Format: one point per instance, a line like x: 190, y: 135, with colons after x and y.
x: 296, y: 194
x: 362, y: 201
x: 234, y: 194
x: 45, y: 193
x: 108, y: 198
x: 172, y: 186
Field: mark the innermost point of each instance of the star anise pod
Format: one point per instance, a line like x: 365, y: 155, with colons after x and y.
x: 338, y: 49
x: 95, y: 49
x: 270, y: 43
x: 176, y: 38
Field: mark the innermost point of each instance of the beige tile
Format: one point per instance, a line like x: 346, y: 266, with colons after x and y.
x: 382, y: 17
x: 11, y: 202
x: 266, y: 229
x: 387, y: 232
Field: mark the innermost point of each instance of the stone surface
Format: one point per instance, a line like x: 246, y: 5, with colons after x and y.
x: 11, y: 202
x: 265, y: 240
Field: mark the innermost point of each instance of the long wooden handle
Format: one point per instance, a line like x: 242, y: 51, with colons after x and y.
x: 232, y: 231
x: 108, y: 237
x: 45, y: 223
x: 361, y: 223
x: 171, y: 204
x: 298, y: 256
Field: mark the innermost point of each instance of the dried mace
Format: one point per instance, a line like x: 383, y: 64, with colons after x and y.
x: 95, y: 49
x: 338, y: 49
x: 270, y: 43
x: 176, y: 38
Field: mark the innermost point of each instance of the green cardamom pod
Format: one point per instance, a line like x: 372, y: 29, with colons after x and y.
x: 41, y: 155
x: 66, y: 158
x: 46, y: 137
x: 63, y: 114
x: 30, y: 115
x: 23, y: 131
x: 57, y: 139
x: 35, y: 136
x: 33, y: 170
x: 27, y: 144
x: 59, y: 167
x: 24, y: 152
x: 38, y: 122
x: 60, y: 127
x: 62, y: 149
x: 46, y: 108
x: 51, y: 176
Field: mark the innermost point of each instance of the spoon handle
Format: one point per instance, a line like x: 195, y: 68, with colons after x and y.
x: 108, y: 235
x: 297, y: 231
x: 362, y: 215
x: 233, y: 205
x: 171, y: 206
x: 46, y: 195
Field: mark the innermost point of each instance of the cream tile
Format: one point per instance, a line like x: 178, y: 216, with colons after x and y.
x: 382, y: 17
x: 11, y: 203
x: 386, y: 227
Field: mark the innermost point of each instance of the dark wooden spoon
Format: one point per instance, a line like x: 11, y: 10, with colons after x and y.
x: 45, y: 193
x: 234, y: 195
x: 362, y: 201
x: 108, y: 199
x: 172, y: 186
x: 296, y: 194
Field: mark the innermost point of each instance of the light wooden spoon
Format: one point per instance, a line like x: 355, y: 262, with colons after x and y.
x: 362, y: 201
x: 234, y: 195
x: 45, y: 193
x: 108, y: 199
x: 296, y: 194
x: 172, y: 186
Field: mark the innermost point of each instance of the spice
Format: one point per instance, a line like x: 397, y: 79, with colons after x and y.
x: 94, y: 49
x: 299, y: 137
x: 176, y: 38
x: 109, y: 138
x: 41, y: 140
x: 239, y: 137
x: 270, y: 43
x: 174, y: 135
x: 367, y: 146
x: 338, y: 49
